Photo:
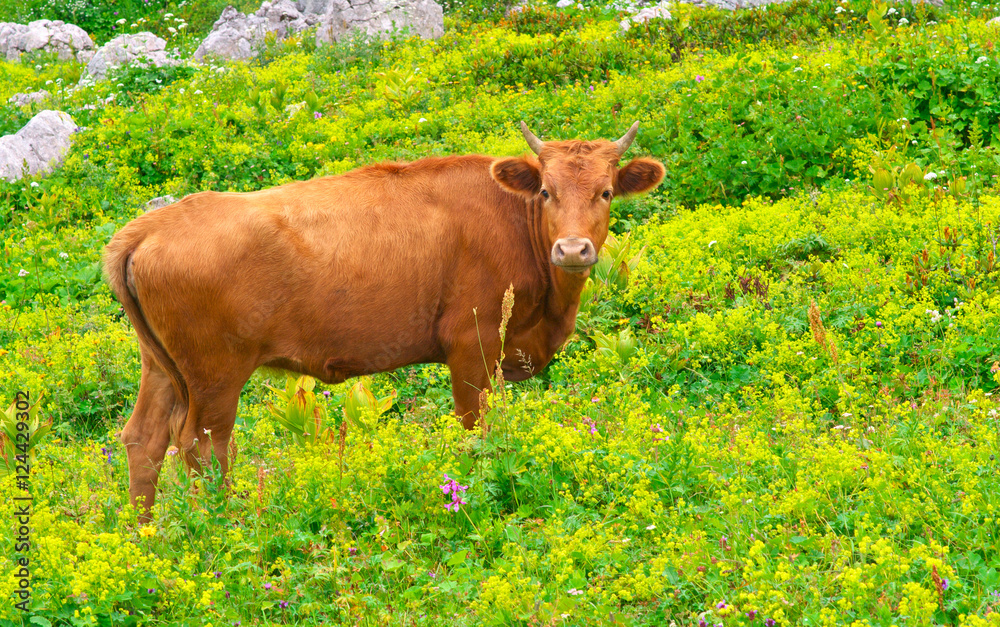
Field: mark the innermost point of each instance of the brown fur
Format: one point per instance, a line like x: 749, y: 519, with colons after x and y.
x: 349, y: 275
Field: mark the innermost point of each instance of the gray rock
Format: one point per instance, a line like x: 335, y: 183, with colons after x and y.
x: 159, y: 202
x: 380, y: 17
x: 22, y: 99
x: 518, y: 7
x: 67, y: 40
x: 128, y: 50
x: 643, y: 15
x: 238, y: 36
x: 313, y: 7
x: 42, y: 143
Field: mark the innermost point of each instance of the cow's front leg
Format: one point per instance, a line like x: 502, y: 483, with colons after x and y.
x: 468, y: 378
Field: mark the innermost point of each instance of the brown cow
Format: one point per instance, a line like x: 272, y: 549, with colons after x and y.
x: 354, y: 274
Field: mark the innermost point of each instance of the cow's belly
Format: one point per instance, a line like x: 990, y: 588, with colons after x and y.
x: 344, y: 342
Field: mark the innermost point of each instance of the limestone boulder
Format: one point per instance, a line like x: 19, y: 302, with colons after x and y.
x: 238, y: 36
x: 131, y: 49
x: 41, y: 144
x: 22, y: 99
x: 379, y: 18
x: 643, y: 15
x: 159, y: 202
x: 67, y: 40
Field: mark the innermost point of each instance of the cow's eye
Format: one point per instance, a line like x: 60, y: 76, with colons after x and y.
x: 545, y: 193
x: 606, y: 195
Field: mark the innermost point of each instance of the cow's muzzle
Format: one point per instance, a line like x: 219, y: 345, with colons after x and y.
x: 574, y: 254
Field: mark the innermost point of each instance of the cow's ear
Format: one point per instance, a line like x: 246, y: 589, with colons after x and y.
x: 639, y: 175
x: 517, y: 175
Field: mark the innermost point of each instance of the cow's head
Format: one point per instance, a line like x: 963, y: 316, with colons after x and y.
x: 575, y: 182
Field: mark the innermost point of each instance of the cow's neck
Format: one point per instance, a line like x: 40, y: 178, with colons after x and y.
x: 562, y: 289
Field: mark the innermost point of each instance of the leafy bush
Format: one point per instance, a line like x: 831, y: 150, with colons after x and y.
x: 951, y: 83
x: 135, y: 79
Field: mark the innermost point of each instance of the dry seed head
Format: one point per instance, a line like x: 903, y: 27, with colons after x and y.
x: 816, y: 325
x: 506, y: 308
x: 484, y: 406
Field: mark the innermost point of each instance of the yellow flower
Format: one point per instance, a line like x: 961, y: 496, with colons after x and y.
x: 147, y: 531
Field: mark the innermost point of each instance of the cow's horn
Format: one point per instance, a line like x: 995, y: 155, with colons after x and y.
x: 627, y: 139
x: 535, y: 143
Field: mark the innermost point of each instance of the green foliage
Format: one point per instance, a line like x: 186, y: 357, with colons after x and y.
x: 137, y: 79
x: 541, y: 19
x: 560, y: 60
x: 611, y: 272
x: 951, y: 83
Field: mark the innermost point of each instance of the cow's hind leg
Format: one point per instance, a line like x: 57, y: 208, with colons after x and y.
x: 146, y: 435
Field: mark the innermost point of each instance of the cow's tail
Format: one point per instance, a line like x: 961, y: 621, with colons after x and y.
x: 118, y: 272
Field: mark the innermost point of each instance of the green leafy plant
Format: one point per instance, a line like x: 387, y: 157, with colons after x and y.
x: 619, y: 348
x: 362, y: 409
x: 258, y: 101
x: 899, y: 184
x: 20, y: 434
x: 401, y: 88
x: 298, y: 412
x: 278, y: 95
x: 614, y: 265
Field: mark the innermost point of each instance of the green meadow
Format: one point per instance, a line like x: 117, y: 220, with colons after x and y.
x: 780, y: 405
